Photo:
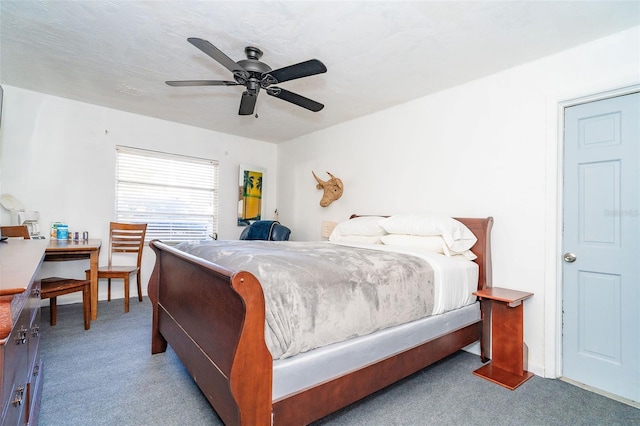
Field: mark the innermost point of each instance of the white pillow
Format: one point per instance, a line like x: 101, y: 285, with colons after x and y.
x: 456, y: 235
x: 433, y: 243
x: 363, y: 225
x: 467, y: 254
x: 366, y: 239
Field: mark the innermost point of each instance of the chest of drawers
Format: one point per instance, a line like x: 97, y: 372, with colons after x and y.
x: 20, y: 362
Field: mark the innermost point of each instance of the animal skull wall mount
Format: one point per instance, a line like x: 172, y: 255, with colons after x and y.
x: 332, y: 189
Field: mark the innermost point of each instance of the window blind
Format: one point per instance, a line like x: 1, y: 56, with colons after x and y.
x: 176, y: 196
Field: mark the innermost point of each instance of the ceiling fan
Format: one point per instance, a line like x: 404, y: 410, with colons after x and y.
x: 256, y: 75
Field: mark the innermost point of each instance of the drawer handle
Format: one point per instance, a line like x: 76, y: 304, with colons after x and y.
x: 17, y: 399
x: 35, y: 330
x: 36, y: 370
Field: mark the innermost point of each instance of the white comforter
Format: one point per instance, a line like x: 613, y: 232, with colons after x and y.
x: 456, y: 277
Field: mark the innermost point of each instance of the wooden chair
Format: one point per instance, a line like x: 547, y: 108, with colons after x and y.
x: 124, y: 238
x: 15, y: 231
x: 51, y: 288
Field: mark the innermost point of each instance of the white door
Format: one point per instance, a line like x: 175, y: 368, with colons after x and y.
x: 601, y: 245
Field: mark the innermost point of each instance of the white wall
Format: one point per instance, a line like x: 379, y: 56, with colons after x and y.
x: 58, y: 157
x: 486, y: 148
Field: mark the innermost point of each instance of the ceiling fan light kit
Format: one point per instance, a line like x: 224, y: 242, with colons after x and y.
x: 256, y: 75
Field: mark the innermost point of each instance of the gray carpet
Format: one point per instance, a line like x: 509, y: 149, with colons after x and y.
x: 107, y: 376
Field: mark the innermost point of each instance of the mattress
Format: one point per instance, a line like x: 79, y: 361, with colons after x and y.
x: 455, y: 307
x: 294, y: 374
x: 455, y: 277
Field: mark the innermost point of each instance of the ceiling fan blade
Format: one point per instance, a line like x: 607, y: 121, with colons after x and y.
x: 303, y: 69
x: 215, y: 53
x: 201, y: 83
x: 248, y: 103
x: 294, y: 98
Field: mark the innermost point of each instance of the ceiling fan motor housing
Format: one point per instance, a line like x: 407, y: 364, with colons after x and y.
x: 252, y: 63
x: 254, y: 68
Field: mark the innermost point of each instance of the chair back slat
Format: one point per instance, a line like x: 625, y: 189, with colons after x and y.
x: 15, y: 231
x: 126, y: 238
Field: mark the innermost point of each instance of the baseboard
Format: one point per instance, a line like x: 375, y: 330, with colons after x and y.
x: 635, y: 404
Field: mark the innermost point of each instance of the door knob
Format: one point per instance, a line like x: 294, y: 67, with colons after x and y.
x: 569, y: 257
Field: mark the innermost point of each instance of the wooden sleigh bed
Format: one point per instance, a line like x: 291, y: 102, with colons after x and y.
x: 214, y: 320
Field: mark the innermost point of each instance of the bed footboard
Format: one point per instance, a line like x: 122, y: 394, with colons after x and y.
x: 213, y: 318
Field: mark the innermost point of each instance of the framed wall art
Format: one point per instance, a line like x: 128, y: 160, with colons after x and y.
x: 250, y: 194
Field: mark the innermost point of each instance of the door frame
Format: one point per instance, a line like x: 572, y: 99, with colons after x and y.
x: 554, y: 217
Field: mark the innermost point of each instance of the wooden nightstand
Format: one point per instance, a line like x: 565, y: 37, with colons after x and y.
x: 507, y: 366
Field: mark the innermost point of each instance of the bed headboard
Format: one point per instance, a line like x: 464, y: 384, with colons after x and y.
x: 481, y: 228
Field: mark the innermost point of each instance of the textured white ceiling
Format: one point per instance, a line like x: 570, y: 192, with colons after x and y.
x: 378, y: 54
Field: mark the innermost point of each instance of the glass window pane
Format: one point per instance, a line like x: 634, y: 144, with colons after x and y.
x: 176, y: 196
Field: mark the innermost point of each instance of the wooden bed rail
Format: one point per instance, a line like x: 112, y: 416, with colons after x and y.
x: 206, y: 321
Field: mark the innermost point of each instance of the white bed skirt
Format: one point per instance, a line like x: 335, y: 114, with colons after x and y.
x: 291, y: 375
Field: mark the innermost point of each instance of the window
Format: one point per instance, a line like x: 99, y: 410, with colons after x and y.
x: 176, y: 196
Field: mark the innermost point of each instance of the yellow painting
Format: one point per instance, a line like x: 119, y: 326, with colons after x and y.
x: 250, y: 195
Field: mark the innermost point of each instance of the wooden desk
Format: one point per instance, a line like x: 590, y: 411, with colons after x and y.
x: 507, y: 366
x: 64, y: 250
